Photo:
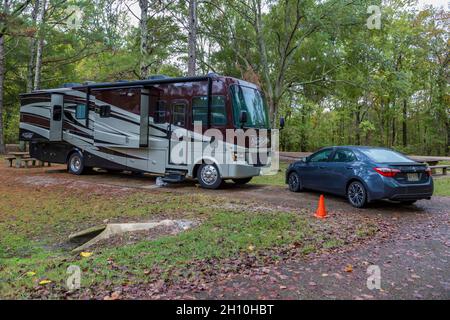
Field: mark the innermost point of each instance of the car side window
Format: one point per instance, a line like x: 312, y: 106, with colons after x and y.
x: 321, y: 156
x: 344, y: 156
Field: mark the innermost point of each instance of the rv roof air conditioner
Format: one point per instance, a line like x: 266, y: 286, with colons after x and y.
x: 158, y: 77
x: 70, y: 85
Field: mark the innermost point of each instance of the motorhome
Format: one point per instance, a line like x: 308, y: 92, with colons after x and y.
x: 138, y: 126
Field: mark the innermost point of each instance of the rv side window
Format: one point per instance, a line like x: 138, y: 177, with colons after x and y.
x: 57, y: 113
x: 179, y: 114
x: 200, y: 110
x: 80, y: 112
x: 160, y: 112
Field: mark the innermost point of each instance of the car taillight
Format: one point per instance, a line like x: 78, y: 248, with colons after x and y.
x: 428, y: 171
x: 387, y: 172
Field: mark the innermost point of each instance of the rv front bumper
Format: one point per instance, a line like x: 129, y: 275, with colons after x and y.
x: 237, y: 171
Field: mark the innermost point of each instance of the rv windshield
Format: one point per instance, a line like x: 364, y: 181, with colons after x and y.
x: 253, y: 102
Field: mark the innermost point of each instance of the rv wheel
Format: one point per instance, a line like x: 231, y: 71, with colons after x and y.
x: 209, y: 177
x: 76, y: 163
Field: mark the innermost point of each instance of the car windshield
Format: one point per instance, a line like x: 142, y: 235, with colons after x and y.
x: 253, y: 102
x: 384, y: 156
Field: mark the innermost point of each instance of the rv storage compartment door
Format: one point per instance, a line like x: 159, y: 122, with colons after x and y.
x: 143, y: 137
x: 117, y: 117
x: 56, y: 117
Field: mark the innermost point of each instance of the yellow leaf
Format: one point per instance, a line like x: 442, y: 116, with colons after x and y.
x: 44, y: 282
x: 86, y: 254
x: 30, y: 273
x: 251, y: 248
x: 349, y: 268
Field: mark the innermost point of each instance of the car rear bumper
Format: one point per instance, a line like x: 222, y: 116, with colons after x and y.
x: 392, y: 190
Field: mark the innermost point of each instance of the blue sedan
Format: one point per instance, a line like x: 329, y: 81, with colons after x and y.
x: 362, y: 174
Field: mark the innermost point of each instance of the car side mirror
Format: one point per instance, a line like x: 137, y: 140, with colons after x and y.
x: 282, y: 123
x: 243, y: 117
x: 304, y: 159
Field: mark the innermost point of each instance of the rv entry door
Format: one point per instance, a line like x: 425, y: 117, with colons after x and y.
x: 178, y: 142
x: 56, y: 117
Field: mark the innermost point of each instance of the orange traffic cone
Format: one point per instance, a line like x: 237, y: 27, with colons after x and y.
x: 321, y: 212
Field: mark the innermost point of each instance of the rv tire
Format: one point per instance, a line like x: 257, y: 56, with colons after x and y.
x: 75, y: 165
x: 208, y: 176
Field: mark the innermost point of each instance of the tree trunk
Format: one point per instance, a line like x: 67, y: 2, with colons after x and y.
x: 40, y: 46
x: 33, y: 44
x: 143, y: 72
x: 404, y: 124
x: 192, y: 38
x: 273, y: 105
x: 2, y: 77
x: 2, y: 80
x: 357, y: 124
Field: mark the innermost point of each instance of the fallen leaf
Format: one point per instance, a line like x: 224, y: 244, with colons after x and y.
x: 30, y: 273
x: 44, y: 282
x: 348, y: 268
x: 251, y: 248
x: 86, y: 254
x: 115, y: 295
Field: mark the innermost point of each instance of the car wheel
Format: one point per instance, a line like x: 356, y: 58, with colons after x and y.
x: 408, y: 203
x: 294, y: 182
x: 75, y: 164
x: 242, y: 181
x: 209, y: 177
x: 357, y: 194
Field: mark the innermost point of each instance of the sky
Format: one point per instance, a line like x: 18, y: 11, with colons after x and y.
x: 437, y: 3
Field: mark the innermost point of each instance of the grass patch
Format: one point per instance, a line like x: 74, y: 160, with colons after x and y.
x: 34, y: 221
x: 275, y: 180
x: 442, y: 187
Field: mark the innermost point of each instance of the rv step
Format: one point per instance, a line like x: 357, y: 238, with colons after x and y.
x: 173, y: 178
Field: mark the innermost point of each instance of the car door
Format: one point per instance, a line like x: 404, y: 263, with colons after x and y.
x: 341, y: 168
x: 314, y: 172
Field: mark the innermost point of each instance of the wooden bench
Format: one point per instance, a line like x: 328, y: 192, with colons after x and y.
x: 10, y: 160
x: 26, y: 162
x: 442, y: 167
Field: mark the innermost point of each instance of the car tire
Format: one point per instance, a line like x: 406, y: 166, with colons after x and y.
x: 357, y: 194
x: 208, y: 176
x: 75, y: 164
x: 294, y: 182
x: 408, y: 203
x: 242, y: 181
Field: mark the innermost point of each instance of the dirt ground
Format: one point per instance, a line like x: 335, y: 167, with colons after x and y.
x: 413, y: 259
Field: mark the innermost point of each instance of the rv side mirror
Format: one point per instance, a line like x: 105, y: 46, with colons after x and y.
x: 282, y: 123
x: 243, y: 117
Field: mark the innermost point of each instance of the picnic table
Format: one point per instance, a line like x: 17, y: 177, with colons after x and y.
x: 430, y: 160
x: 18, y: 156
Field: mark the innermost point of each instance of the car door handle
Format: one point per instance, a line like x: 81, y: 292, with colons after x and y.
x: 320, y: 167
x: 349, y: 168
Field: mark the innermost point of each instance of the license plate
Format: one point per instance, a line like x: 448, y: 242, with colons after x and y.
x: 413, y: 177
